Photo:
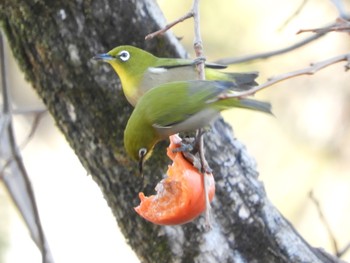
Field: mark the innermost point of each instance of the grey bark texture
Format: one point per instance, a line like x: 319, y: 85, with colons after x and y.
x: 53, y: 42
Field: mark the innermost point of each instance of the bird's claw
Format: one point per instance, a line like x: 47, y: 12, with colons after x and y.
x: 199, y: 60
x: 186, y: 145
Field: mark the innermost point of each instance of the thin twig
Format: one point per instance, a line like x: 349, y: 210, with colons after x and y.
x: 198, y: 48
x: 34, y: 126
x: 28, y: 111
x: 265, y: 55
x: 339, y: 5
x: 6, y: 163
x: 4, y: 119
x: 324, y: 221
x: 206, y: 175
x: 170, y: 25
x: 296, y: 12
x: 343, y: 251
x: 16, y: 155
x: 312, y: 69
x: 341, y: 25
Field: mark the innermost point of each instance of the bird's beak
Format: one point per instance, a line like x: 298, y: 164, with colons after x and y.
x: 141, y: 166
x: 104, y: 57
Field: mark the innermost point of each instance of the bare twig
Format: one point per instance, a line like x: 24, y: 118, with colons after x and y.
x: 4, y: 119
x: 35, y: 124
x: 339, y: 5
x: 341, y: 25
x: 8, y: 136
x: 198, y: 48
x: 265, y: 55
x: 343, y: 251
x: 4, y: 122
x: 312, y: 69
x: 324, y: 221
x: 300, y: 7
x: 206, y: 172
x: 28, y: 111
x: 170, y: 25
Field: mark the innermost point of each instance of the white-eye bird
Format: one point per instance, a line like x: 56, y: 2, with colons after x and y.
x: 177, y: 107
x: 140, y: 71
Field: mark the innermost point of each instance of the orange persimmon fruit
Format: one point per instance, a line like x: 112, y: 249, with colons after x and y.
x: 180, y: 197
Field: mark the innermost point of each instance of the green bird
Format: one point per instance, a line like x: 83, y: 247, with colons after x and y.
x: 140, y: 71
x: 178, y: 107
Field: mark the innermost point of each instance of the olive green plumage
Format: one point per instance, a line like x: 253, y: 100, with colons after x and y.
x: 168, y: 99
x: 177, y: 107
x: 140, y: 71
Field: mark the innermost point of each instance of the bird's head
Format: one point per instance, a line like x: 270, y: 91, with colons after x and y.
x: 128, y: 61
x: 138, y: 150
x: 131, y: 64
x: 139, y: 139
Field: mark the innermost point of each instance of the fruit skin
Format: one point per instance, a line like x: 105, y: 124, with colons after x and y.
x: 180, y: 197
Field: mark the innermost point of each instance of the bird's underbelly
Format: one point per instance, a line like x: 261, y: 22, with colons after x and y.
x: 157, y: 76
x: 194, y: 122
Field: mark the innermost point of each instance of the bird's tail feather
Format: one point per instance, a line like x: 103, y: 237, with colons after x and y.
x: 245, y: 103
x: 256, y: 105
x: 244, y: 81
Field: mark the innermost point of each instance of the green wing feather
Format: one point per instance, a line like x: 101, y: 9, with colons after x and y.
x: 244, y: 80
x: 179, y: 106
x: 175, y: 102
x: 179, y: 62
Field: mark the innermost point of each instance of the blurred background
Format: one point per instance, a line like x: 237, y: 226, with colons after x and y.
x: 304, y: 148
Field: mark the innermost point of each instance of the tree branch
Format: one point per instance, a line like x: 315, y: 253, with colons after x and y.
x: 18, y: 182
x: 325, y: 222
x: 296, y: 12
x: 341, y: 25
x: 170, y: 25
x: 265, y: 55
x: 339, y: 5
x: 312, y: 69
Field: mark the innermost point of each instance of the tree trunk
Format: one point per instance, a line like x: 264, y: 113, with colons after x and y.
x: 53, y: 42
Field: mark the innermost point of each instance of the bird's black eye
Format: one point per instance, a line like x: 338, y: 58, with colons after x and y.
x: 124, y: 55
x: 142, y: 153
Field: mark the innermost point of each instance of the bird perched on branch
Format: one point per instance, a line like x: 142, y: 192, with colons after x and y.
x: 140, y: 71
x: 178, y: 107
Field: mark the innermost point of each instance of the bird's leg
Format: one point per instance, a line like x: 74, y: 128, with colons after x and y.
x: 199, y: 60
x: 187, y: 145
x: 189, y: 150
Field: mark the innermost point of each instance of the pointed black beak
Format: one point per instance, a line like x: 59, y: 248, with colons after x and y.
x: 103, y: 57
x: 141, y: 166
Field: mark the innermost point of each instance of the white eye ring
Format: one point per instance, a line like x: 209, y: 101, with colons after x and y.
x: 142, y: 152
x: 124, y: 55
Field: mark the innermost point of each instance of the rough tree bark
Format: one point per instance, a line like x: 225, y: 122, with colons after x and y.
x: 53, y: 42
